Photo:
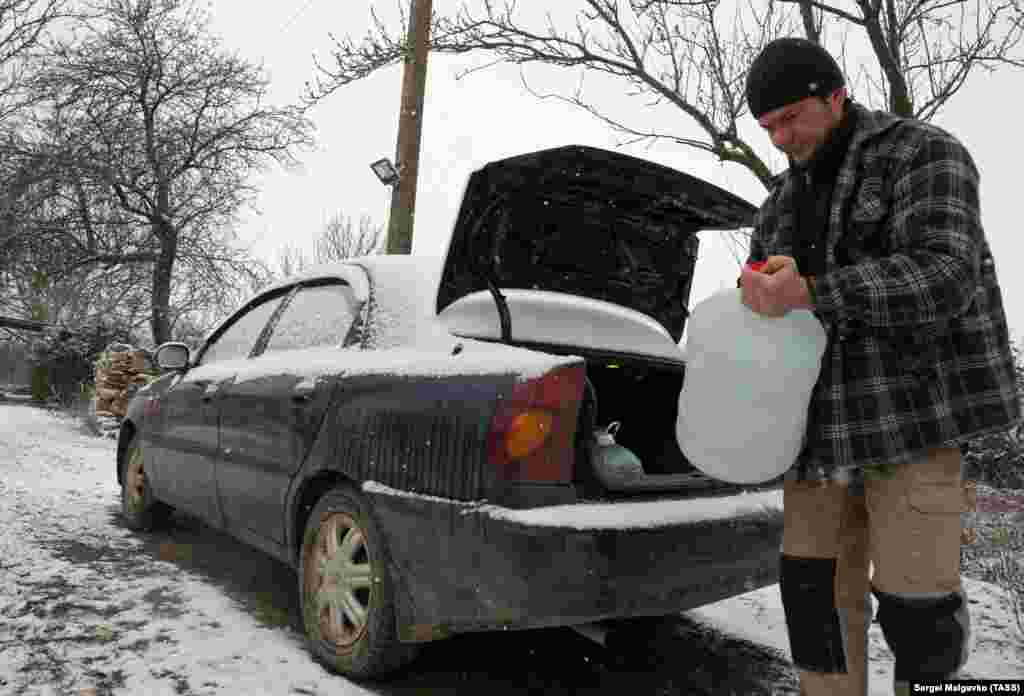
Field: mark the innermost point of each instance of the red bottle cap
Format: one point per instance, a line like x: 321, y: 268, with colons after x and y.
x: 756, y: 266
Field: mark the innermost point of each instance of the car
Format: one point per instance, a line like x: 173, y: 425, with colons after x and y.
x: 481, y: 444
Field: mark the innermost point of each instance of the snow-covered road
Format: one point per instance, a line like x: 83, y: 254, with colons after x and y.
x: 88, y: 608
x: 83, y: 606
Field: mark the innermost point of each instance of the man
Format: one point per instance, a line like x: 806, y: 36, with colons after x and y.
x: 876, y: 228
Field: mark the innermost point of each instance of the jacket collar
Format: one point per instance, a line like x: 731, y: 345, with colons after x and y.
x: 865, y: 126
x: 870, y: 124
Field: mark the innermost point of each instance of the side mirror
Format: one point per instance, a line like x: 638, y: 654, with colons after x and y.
x: 172, y: 356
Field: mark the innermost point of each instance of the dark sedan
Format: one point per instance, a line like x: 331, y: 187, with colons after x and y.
x: 431, y: 451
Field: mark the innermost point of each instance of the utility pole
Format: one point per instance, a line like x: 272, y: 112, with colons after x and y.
x: 410, y: 128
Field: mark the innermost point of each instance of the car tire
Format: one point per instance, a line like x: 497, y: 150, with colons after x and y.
x: 346, y: 590
x: 140, y: 510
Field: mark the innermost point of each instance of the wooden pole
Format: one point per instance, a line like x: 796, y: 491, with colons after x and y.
x: 410, y: 129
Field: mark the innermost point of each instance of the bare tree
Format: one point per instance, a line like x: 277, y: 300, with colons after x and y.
x: 693, y: 54
x: 291, y: 260
x: 157, y: 130
x: 22, y: 27
x: 69, y: 258
x: 116, y: 296
x: 337, y: 241
x: 40, y: 275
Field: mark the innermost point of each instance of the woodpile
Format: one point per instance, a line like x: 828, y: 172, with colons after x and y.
x: 120, y: 371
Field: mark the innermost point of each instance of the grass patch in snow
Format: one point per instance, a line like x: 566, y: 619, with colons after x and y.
x: 105, y: 634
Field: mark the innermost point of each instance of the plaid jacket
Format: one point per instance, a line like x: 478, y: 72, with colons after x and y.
x: 918, y: 353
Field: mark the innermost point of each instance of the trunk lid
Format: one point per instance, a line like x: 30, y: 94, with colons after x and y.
x: 587, y: 222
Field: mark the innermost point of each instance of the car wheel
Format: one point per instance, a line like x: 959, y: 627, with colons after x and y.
x: 346, y: 589
x: 140, y: 510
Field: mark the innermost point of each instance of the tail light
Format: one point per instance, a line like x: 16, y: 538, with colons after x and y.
x: 532, y: 431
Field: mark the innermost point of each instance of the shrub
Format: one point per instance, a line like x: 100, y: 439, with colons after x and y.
x: 997, y: 459
x: 68, y: 358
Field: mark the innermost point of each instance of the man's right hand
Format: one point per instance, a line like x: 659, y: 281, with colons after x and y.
x: 776, y: 289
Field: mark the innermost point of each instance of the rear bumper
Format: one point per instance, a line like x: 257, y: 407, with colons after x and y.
x: 470, y: 567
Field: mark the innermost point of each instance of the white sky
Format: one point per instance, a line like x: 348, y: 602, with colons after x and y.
x: 489, y: 115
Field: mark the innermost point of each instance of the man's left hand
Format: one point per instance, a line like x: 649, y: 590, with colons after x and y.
x: 776, y: 289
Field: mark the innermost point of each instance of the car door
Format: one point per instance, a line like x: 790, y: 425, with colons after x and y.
x: 271, y: 413
x: 183, y: 472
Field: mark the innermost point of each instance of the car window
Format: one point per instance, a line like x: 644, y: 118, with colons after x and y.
x: 317, y: 316
x: 239, y: 338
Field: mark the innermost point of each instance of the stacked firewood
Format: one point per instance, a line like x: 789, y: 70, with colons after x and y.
x: 120, y: 371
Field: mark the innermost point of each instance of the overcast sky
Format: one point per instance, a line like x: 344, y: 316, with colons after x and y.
x: 489, y: 115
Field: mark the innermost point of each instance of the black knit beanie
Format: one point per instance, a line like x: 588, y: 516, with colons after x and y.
x: 788, y: 70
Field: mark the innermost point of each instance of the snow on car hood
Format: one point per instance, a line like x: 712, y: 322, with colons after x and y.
x: 588, y: 222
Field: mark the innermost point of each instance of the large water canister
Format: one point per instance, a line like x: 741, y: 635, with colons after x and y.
x: 748, y: 383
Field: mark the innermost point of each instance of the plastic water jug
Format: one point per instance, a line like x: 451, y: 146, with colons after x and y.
x: 748, y: 383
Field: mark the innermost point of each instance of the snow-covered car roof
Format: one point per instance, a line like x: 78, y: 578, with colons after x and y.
x: 345, y: 270
x: 401, y: 287
x: 401, y: 291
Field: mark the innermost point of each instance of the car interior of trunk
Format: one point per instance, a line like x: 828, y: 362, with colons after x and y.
x: 643, y: 397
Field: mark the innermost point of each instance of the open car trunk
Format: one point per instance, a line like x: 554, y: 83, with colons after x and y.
x: 634, y: 372
x: 582, y: 251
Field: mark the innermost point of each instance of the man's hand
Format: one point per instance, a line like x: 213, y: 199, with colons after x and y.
x: 776, y: 289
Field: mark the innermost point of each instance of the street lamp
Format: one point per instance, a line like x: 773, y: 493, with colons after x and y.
x: 385, y: 171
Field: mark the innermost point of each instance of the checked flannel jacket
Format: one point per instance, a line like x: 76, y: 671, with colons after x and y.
x: 918, y: 349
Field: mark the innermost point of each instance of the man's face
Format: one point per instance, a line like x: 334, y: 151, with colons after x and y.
x: 800, y: 128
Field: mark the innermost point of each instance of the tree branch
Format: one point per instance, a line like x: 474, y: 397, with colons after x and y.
x: 827, y: 9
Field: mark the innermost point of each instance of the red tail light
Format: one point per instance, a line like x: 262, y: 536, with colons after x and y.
x: 532, y: 432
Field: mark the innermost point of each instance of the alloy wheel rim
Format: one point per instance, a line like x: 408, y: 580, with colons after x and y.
x: 136, y: 480
x: 340, y: 580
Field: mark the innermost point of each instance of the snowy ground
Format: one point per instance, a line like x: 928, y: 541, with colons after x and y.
x: 88, y: 608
